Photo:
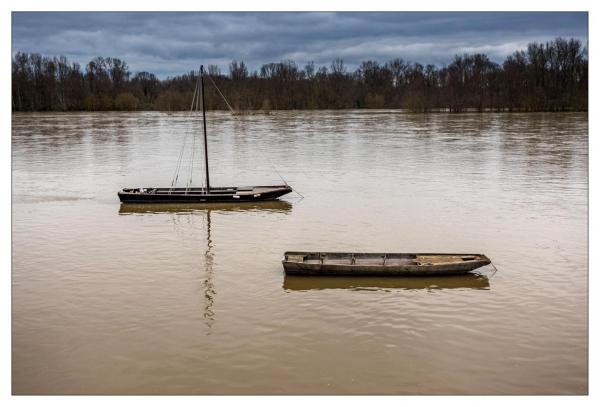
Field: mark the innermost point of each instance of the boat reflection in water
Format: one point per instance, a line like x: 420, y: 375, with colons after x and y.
x: 182, y: 208
x: 204, y: 210
x: 305, y: 283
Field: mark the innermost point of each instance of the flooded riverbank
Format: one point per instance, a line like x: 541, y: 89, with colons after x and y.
x: 111, y: 298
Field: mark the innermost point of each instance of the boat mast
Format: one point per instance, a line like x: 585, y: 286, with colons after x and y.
x: 204, y: 123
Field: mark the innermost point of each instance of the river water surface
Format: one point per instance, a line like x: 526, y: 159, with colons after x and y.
x: 193, y: 300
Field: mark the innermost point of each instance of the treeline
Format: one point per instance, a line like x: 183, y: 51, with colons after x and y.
x: 544, y: 77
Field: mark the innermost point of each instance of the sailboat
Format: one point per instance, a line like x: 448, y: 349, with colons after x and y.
x: 207, y: 193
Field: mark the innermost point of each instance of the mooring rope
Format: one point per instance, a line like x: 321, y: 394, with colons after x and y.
x: 495, y: 270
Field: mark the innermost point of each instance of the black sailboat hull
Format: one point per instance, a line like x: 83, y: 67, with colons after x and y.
x: 199, y: 195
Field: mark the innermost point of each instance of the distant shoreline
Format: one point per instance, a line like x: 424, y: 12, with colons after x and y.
x: 551, y: 76
x: 365, y: 109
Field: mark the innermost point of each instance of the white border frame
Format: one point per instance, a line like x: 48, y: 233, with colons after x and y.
x: 306, y: 5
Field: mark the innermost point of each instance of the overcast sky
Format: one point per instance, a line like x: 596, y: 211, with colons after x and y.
x: 169, y: 44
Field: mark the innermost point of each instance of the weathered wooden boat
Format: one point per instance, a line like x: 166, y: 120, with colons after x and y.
x: 205, y: 193
x: 381, y: 264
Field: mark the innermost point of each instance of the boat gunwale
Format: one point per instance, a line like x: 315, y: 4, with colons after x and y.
x: 163, y: 190
x: 482, y: 257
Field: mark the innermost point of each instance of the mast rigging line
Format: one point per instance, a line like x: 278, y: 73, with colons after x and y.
x: 193, y: 153
x: 181, y: 153
x: 195, y: 104
x: 206, y: 174
x: 239, y: 121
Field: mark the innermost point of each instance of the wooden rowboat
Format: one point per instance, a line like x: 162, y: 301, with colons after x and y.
x: 381, y: 264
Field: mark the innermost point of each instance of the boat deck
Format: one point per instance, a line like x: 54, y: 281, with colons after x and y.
x: 202, y: 191
x: 379, y: 259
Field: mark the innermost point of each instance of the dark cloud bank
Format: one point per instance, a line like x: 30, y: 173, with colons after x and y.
x: 169, y: 44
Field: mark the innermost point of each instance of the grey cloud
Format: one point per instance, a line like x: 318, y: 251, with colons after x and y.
x: 173, y: 43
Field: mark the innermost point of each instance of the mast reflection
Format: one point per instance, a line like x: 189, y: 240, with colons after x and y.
x: 268, y: 206
x: 187, y: 213
x: 209, y: 286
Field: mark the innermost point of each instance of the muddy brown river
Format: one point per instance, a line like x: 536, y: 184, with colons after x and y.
x: 133, y: 299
